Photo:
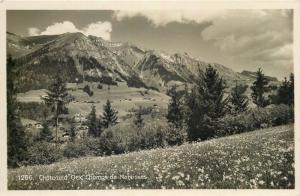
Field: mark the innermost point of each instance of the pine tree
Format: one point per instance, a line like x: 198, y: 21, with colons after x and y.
x: 139, y: 121
x: 46, y: 134
x: 57, y: 99
x: 175, y: 109
x: 16, y: 136
x: 110, y: 115
x: 206, y: 105
x: 259, y: 88
x: 285, y: 92
x: 238, y: 100
x: 94, y: 127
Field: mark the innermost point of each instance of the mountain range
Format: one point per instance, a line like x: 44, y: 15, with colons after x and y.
x: 80, y: 58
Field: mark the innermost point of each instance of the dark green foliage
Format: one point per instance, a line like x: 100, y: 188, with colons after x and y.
x: 110, y: 143
x: 153, y: 135
x: 259, y: 89
x: 100, y: 86
x: 57, y: 99
x: 72, y: 133
x: 110, y: 115
x: 75, y: 149
x: 88, y: 90
x: 108, y: 80
x: 46, y: 133
x: 16, y: 136
x: 238, y: 100
x: 255, y: 118
x: 175, y: 108
x: 292, y: 89
x: 34, y: 110
x: 139, y: 121
x: 39, y: 76
x: 43, y: 153
x: 175, y: 135
x: 206, y: 104
x: 285, y: 93
x: 93, y: 123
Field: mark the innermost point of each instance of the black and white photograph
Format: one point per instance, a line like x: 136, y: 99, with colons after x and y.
x: 150, y: 99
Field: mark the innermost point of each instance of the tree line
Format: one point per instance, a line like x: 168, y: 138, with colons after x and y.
x: 196, y: 110
x: 201, y: 108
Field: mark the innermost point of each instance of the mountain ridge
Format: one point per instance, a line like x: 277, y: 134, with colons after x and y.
x: 90, y: 58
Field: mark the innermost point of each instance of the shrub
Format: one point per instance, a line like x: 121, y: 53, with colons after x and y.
x: 100, y: 86
x: 256, y: 118
x: 110, y: 142
x: 153, y: 135
x: 75, y: 149
x: 93, y: 145
x: 175, y: 136
x: 282, y: 114
x: 87, y: 89
x: 43, y: 153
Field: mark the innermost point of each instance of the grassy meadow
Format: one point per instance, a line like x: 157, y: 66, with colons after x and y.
x: 260, y: 159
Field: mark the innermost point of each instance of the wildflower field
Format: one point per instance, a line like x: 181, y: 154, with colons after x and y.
x: 259, y: 159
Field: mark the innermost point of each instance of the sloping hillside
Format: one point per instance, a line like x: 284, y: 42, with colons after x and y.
x: 260, y: 159
x: 88, y: 58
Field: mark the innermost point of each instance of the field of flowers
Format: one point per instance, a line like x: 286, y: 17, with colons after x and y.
x: 259, y: 159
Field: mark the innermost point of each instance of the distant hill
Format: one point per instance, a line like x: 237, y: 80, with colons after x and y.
x: 252, y: 74
x: 88, y: 58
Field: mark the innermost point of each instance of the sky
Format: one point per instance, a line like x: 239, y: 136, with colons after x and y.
x: 238, y: 39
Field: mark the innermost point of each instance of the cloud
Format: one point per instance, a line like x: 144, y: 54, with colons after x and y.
x: 99, y: 29
x: 261, y: 36
x: 162, y: 18
x: 33, y: 31
x: 59, y: 28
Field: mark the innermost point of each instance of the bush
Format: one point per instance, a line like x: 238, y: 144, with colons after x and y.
x: 111, y: 143
x: 100, y: 86
x: 43, y: 153
x: 256, y: 118
x: 87, y: 89
x: 282, y: 114
x: 153, y: 135
x: 127, y: 137
x: 94, y: 146
x: 75, y: 149
x: 175, y: 136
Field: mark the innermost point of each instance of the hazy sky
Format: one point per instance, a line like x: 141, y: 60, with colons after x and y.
x: 239, y: 39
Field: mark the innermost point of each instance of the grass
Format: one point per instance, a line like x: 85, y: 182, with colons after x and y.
x: 123, y: 98
x: 260, y: 159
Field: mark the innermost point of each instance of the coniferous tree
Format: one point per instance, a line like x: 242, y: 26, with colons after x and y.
x: 206, y: 105
x: 94, y: 127
x: 57, y: 99
x: 46, y: 134
x: 139, y: 121
x: 110, y: 115
x: 285, y: 92
x: 238, y: 100
x: 16, y: 136
x: 175, y: 108
x: 259, y: 89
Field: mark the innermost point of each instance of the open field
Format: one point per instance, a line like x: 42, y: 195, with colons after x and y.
x: 123, y: 98
x: 259, y: 159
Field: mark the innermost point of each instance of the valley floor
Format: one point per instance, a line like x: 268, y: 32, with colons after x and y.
x: 259, y: 159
